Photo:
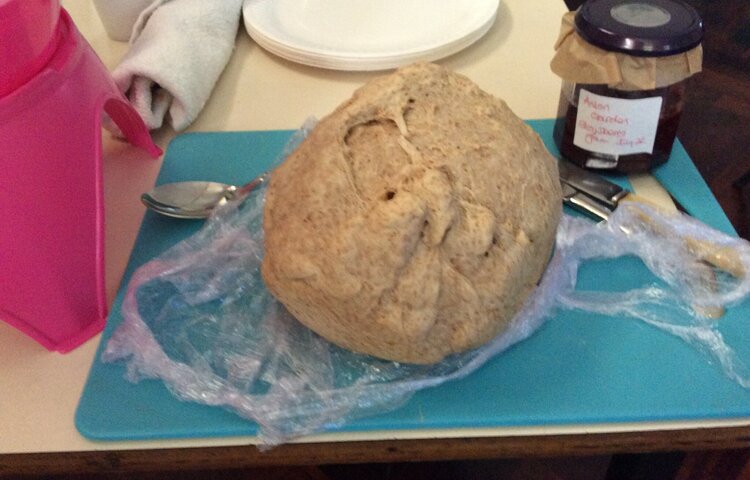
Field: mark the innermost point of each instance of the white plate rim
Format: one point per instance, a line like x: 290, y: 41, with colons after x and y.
x: 349, y: 60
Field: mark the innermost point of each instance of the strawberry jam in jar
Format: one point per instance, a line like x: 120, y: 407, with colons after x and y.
x: 624, y: 65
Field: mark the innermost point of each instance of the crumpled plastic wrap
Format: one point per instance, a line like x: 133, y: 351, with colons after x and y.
x: 199, y: 318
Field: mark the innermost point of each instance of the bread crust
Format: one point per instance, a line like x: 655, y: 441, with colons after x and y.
x: 415, y: 219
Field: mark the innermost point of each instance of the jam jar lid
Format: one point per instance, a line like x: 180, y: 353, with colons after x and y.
x: 642, y: 28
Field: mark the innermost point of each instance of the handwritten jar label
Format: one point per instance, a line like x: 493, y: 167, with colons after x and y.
x: 616, y: 126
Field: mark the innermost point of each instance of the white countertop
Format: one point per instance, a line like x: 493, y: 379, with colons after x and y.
x: 39, y: 390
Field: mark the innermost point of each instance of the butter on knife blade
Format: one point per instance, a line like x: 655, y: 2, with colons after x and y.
x: 645, y: 185
x: 648, y: 186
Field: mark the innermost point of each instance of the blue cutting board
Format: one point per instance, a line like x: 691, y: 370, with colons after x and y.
x: 578, y: 368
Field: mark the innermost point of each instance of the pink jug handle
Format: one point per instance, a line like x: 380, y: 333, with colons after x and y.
x: 131, y: 125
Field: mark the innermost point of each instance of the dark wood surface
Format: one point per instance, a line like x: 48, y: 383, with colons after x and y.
x: 715, y: 130
x: 530, y: 449
x: 715, y: 127
x: 680, y: 455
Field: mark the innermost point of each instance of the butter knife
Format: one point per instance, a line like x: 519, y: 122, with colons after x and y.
x: 586, y: 190
x: 593, y: 194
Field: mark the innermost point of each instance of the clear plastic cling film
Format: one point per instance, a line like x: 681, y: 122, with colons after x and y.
x: 199, y: 318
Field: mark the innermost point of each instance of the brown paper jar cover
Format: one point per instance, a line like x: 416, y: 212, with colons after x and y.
x: 578, y: 61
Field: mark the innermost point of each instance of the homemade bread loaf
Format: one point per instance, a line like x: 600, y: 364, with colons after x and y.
x: 415, y: 219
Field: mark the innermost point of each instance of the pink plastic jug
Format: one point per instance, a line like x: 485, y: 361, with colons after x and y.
x: 53, y: 90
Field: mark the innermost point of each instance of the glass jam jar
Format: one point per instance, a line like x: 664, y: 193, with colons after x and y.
x: 625, y: 120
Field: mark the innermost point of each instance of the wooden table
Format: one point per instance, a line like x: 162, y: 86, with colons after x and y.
x: 39, y: 391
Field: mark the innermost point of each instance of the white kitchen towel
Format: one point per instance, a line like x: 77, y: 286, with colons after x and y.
x: 178, y: 50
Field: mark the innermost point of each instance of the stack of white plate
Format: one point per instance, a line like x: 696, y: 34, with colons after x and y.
x: 367, y: 34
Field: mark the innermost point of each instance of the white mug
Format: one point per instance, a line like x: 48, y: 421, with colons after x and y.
x: 119, y: 16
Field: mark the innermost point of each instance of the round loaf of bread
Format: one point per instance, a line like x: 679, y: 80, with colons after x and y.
x: 414, y: 221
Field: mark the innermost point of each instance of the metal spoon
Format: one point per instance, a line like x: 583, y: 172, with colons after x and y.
x: 194, y: 200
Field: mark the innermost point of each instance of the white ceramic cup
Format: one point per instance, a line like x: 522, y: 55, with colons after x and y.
x: 119, y: 16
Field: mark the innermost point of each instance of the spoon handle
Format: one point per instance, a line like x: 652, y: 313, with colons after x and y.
x: 249, y: 186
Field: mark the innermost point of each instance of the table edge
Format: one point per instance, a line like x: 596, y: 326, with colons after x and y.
x: 379, y: 451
